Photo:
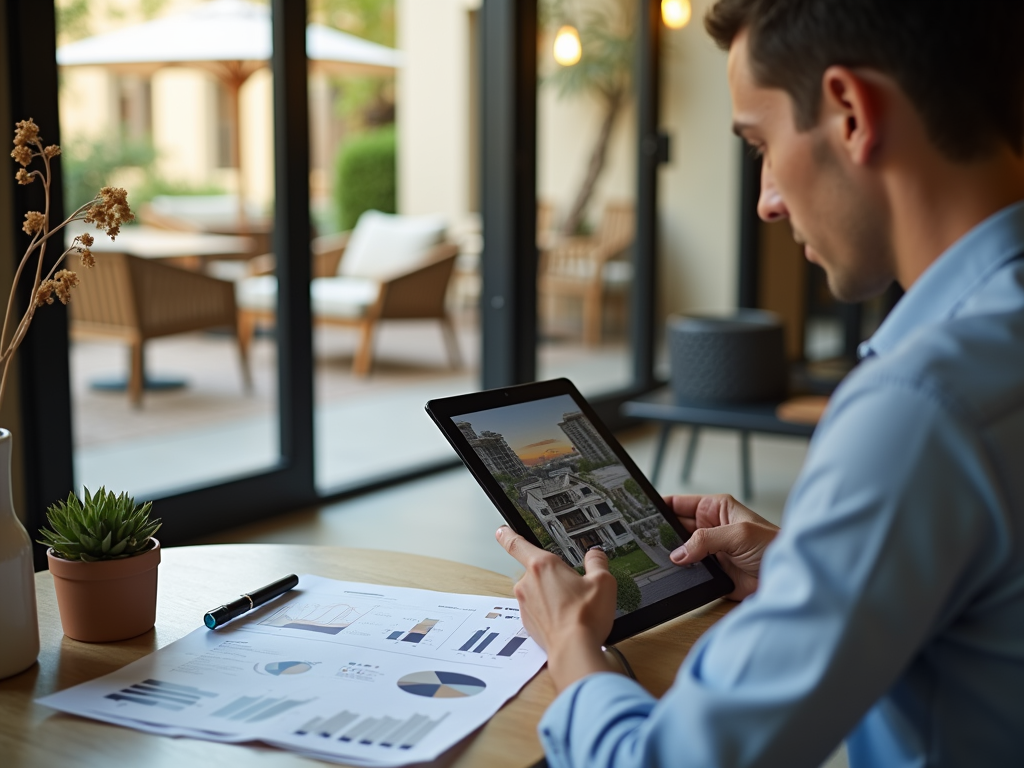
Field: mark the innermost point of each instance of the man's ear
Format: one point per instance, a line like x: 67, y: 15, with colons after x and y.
x: 852, y: 109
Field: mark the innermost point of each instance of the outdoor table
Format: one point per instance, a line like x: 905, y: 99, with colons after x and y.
x: 191, y: 250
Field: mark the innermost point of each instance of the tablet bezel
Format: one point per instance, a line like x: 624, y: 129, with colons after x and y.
x: 444, y: 412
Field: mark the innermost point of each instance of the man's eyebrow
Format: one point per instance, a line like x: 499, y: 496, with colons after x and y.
x: 740, y: 128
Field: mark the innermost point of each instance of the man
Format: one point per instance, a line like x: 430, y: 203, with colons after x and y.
x: 889, y: 610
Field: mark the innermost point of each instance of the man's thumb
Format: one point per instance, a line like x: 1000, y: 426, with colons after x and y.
x: 703, y: 542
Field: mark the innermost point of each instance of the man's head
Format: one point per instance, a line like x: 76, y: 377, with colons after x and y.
x: 831, y: 91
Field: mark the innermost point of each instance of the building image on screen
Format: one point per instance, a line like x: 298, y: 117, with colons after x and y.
x: 574, y: 494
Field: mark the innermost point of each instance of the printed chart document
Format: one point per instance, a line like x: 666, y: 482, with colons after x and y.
x: 358, y: 673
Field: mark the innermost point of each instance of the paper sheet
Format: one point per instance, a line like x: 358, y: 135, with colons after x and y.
x: 360, y: 673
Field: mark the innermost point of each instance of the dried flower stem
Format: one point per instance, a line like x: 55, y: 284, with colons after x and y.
x: 108, y: 211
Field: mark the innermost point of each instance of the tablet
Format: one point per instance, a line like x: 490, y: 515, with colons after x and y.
x: 561, y: 479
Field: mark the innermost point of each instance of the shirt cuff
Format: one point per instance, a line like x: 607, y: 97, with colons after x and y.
x: 587, y: 722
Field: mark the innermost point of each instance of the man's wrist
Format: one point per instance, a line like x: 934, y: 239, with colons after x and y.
x: 575, y: 656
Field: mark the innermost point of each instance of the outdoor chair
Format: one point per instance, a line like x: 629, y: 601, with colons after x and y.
x: 391, y: 267
x: 135, y: 300
x: 589, y: 268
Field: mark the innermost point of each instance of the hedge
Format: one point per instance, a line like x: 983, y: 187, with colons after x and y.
x: 366, y: 176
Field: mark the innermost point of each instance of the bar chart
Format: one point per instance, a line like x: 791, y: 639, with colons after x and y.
x: 495, y: 639
x: 513, y: 645
x: 161, y: 694
x: 257, y: 709
x: 383, y: 731
x: 416, y: 634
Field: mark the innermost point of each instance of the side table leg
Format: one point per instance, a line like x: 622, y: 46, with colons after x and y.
x: 659, y: 452
x: 691, y: 452
x: 745, y: 464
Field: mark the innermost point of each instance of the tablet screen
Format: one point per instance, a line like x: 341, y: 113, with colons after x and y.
x: 573, y: 493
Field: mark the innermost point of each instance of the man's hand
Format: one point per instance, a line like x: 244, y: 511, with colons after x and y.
x: 567, y: 614
x: 721, y: 525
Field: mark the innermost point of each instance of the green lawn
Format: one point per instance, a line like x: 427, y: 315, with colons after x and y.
x: 635, y: 563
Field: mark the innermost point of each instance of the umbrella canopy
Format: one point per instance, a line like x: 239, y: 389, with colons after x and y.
x: 230, y: 38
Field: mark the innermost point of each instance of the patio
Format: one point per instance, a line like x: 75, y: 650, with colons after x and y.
x: 211, y: 429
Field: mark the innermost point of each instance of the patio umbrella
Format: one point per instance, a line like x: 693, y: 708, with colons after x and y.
x: 231, y: 39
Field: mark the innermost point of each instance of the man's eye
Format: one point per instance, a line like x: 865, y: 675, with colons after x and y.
x: 755, y: 150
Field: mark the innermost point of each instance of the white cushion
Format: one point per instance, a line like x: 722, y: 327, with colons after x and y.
x: 341, y: 297
x: 617, y: 272
x: 258, y: 293
x: 383, y: 243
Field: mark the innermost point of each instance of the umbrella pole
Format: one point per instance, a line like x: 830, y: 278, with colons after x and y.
x: 234, y: 86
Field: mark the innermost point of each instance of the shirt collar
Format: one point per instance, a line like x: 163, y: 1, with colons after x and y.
x: 952, y: 278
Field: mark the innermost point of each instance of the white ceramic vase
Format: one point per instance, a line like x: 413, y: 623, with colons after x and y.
x: 19, y: 626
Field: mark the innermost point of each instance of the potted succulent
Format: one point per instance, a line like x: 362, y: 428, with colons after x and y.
x: 103, y: 559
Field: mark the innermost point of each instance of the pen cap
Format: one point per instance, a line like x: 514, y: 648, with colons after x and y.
x: 225, y: 613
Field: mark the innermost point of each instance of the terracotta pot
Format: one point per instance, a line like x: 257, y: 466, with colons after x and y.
x: 109, y: 600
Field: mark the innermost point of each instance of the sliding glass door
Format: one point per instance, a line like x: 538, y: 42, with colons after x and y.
x: 240, y: 170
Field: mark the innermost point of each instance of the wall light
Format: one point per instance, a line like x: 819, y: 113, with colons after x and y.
x: 568, y: 49
x: 676, y: 13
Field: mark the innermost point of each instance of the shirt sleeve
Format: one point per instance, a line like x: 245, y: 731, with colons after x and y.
x: 889, y: 513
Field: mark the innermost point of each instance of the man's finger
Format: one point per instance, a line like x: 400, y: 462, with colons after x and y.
x: 688, y: 524
x: 684, y: 505
x: 595, y: 560
x: 516, y: 545
x: 709, y: 541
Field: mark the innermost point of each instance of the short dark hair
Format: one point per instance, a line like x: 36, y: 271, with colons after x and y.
x: 961, y: 64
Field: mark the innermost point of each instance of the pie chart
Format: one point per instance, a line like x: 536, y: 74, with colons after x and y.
x: 278, y: 668
x: 441, y: 685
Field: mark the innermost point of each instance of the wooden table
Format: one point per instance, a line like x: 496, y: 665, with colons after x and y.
x: 189, y: 250
x: 194, y: 579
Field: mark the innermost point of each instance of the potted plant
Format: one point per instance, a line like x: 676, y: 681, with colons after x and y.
x: 103, y: 559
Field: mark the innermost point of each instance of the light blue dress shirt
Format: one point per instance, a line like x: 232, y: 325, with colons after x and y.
x: 896, y: 586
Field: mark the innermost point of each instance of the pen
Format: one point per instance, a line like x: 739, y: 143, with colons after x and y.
x: 251, y: 601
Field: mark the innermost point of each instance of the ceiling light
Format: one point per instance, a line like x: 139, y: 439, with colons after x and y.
x: 567, y: 46
x: 676, y: 13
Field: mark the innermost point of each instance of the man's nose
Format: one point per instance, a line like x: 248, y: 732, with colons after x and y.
x: 770, y: 206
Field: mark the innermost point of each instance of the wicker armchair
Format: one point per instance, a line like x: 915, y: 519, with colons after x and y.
x: 410, y: 286
x: 133, y: 299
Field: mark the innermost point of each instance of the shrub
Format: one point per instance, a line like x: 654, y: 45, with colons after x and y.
x: 89, y: 165
x: 625, y: 549
x: 627, y: 593
x: 669, y: 538
x: 366, y: 176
